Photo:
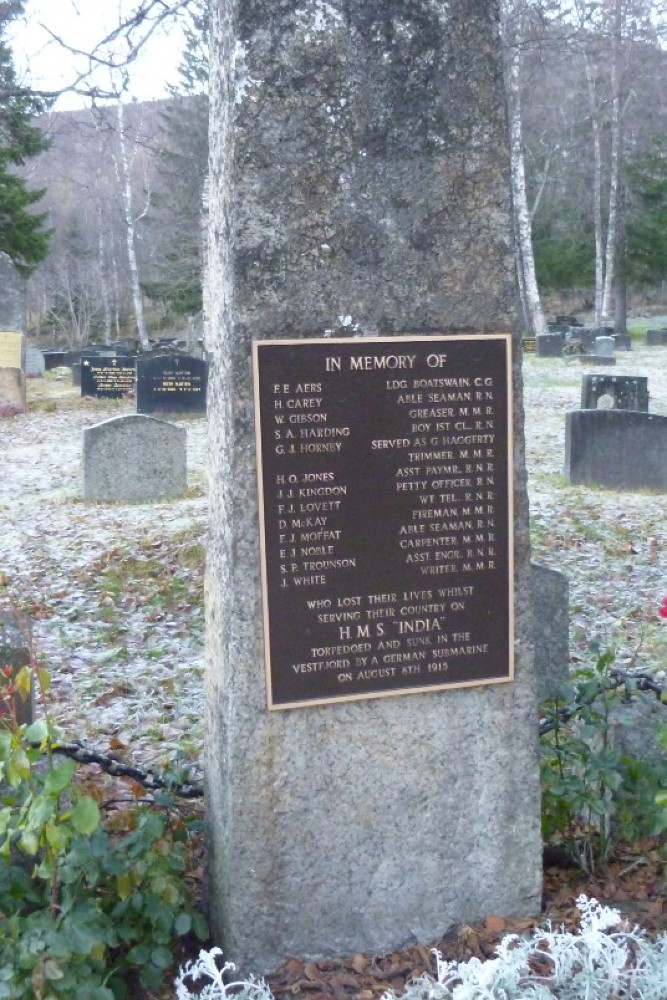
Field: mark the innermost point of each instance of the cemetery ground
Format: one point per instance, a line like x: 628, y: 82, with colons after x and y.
x: 114, y: 593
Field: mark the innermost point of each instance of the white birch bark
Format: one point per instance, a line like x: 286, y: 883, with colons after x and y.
x: 597, y: 192
x: 532, y: 305
x: 123, y: 172
x: 614, y: 164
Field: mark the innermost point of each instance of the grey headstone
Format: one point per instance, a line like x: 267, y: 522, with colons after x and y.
x: 636, y: 723
x: 370, y: 193
x: 626, y: 392
x: 15, y: 645
x: 656, y: 338
x: 35, y: 365
x: 134, y: 459
x: 12, y: 296
x: 622, y: 449
x: 12, y: 392
x: 604, y: 347
x: 551, y: 611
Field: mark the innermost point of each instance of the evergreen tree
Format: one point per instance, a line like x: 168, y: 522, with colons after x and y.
x: 176, y: 214
x: 22, y: 233
x: 644, y: 254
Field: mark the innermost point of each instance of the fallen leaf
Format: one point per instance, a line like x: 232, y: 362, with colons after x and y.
x: 495, y: 925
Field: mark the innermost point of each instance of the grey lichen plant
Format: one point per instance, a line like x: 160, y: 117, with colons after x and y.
x: 606, y: 960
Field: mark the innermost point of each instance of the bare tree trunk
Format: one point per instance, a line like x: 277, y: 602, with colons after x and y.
x: 125, y: 180
x: 597, y: 195
x: 531, y: 303
x: 614, y: 166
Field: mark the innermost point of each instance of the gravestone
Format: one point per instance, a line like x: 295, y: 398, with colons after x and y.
x: 622, y: 341
x: 604, y: 347
x: 622, y: 449
x: 12, y: 296
x: 14, y: 655
x: 34, y: 363
x: 656, y: 338
x: 551, y: 611
x: 107, y: 377
x: 172, y: 383
x: 550, y: 345
x: 597, y: 360
x: 614, y: 392
x: 564, y: 320
x: 529, y: 345
x: 54, y: 359
x: 371, y: 205
x: 134, y: 459
x: 76, y: 374
x: 558, y: 328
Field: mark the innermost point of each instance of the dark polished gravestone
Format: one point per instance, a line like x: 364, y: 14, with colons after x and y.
x: 108, y: 378
x: 622, y: 341
x: 171, y: 383
x: 621, y: 449
x: 656, y: 338
x: 54, y: 359
x: 614, y: 392
x: 550, y: 345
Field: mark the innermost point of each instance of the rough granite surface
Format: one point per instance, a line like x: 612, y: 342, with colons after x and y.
x: 134, y: 459
x: 359, y: 185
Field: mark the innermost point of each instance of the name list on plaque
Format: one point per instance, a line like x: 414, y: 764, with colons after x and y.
x: 386, y: 515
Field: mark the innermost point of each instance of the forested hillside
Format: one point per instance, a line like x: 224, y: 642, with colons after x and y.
x: 588, y: 124
x: 124, y: 211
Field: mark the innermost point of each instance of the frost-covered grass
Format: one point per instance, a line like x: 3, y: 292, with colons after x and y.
x: 606, y: 960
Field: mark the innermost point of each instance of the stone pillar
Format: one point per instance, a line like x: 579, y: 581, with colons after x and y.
x: 359, y: 186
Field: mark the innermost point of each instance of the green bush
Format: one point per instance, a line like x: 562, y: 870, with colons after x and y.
x: 593, y: 795
x: 84, y: 911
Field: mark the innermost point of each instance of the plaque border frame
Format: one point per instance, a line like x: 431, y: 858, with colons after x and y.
x: 257, y: 345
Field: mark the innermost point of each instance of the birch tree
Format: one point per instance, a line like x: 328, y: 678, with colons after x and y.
x: 123, y: 146
x: 527, y: 278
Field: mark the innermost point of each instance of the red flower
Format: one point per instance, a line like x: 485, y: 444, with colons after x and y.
x: 663, y: 608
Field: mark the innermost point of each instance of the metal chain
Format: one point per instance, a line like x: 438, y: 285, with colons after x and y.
x: 152, y: 781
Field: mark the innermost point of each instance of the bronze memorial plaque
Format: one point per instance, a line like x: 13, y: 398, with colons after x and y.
x: 385, y: 490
